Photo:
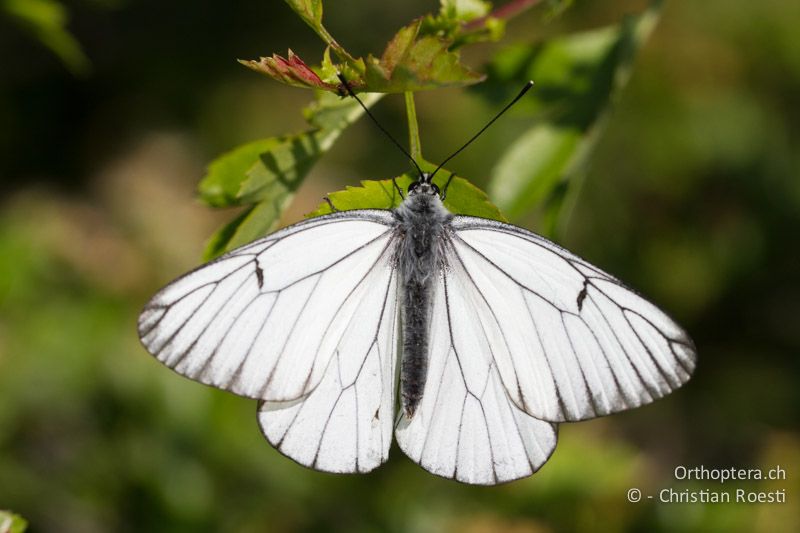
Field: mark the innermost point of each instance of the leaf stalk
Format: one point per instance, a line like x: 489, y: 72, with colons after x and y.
x: 414, y: 144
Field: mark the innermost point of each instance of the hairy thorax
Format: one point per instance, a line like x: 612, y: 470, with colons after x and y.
x: 422, y: 220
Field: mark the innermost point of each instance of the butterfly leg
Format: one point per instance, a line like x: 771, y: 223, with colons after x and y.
x: 447, y: 184
x: 333, y: 207
x: 399, y: 190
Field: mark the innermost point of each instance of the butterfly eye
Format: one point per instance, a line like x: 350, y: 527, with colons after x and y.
x: 413, y: 186
x: 435, y: 189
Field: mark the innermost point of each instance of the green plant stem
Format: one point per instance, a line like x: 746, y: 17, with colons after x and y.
x: 414, y: 145
x: 335, y: 46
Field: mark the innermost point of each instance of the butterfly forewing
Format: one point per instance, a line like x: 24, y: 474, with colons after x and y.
x: 576, y: 343
x: 264, y: 320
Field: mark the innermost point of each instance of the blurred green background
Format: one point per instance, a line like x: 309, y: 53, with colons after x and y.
x: 692, y: 196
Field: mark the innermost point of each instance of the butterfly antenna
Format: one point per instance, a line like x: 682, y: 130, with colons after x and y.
x: 370, y: 115
x: 506, y: 108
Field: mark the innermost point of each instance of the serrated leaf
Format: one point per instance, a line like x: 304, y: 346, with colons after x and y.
x: 290, y: 70
x: 463, y: 198
x: 576, y: 77
x: 397, y: 48
x: 265, y: 174
x: 12, y: 523
x: 412, y: 63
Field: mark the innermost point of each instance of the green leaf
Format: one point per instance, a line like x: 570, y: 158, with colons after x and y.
x: 331, y: 112
x: 47, y: 21
x: 12, y: 523
x: 217, y: 243
x: 265, y: 174
x: 311, y: 13
x: 463, y: 198
x: 255, y: 222
x: 309, y: 10
x: 221, y: 185
x: 285, y: 165
x: 412, y: 62
x: 534, y: 165
x: 577, y: 78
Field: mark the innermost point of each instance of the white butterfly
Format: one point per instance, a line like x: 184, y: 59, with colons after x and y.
x: 491, y: 333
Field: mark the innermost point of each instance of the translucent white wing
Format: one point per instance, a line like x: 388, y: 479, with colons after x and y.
x: 466, y: 427
x: 265, y: 320
x: 568, y: 341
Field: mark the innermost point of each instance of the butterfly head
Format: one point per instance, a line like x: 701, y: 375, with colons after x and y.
x: 423, y: 186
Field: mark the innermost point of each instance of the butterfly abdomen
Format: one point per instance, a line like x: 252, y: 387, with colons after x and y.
x: 414, y: 366
x: 421, y: 223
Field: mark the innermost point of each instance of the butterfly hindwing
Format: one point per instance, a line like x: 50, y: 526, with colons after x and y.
x: 466, y: 427
x: 345, y: 423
